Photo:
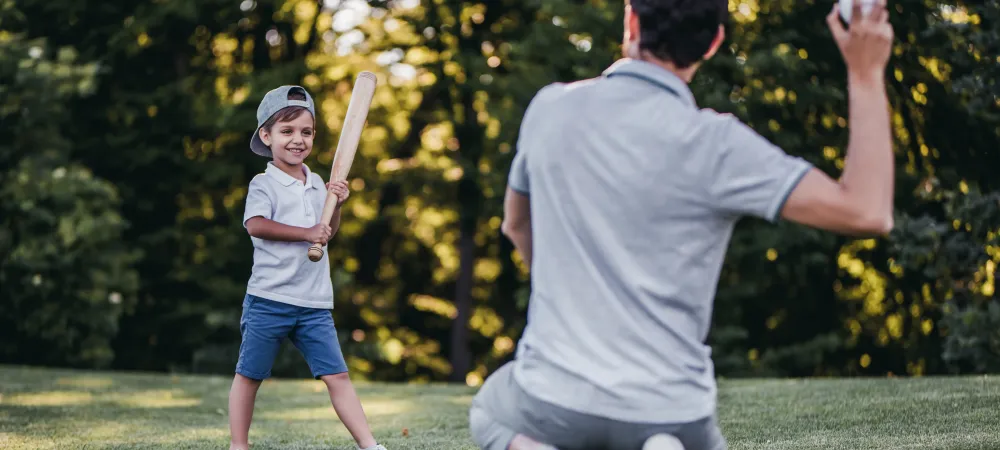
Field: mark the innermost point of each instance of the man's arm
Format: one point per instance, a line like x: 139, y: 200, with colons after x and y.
x: 517, y: 222
x: 862, y: 201
x: 517, y: 202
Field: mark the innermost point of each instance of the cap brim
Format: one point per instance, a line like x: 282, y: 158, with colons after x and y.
x: 258, y: 146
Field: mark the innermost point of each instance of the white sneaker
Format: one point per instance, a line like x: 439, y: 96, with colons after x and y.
x: 662, y: 442
x: 374, y: 447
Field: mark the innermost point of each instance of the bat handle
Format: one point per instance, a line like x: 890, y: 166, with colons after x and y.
x: 316, y: 250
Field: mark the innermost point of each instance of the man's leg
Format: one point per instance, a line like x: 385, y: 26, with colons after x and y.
x: 489, y: 434
x: 505, y: 417
x: 492, y: 412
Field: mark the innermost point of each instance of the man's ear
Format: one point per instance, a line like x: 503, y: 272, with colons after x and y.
x: 720, y: 37
x: 630, y: 41
x: 265, y: 137
x: 632, y: 24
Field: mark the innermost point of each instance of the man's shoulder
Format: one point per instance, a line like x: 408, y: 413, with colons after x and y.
x: 558, y: 95
x: 724, y: 126
x: 564, y: 89
x: 714, y: 117
x: 548, y: 93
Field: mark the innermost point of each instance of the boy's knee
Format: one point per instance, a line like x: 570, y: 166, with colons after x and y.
x: 245, y: 380
x: 336, y: 379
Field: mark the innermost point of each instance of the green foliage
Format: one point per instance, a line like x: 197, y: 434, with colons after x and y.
x: 954, y: 265
x: 973, y: 340
x: 64, y: 268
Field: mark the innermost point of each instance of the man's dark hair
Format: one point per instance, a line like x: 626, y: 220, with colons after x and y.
x: 287, y: 114
x: 679, y: 31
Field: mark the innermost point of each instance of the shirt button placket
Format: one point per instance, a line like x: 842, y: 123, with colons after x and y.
x: 307, y: 205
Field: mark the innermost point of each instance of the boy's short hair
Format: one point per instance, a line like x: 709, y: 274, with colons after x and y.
x: 679, y: 31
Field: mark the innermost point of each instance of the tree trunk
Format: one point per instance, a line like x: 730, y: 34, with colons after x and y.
x: 461, y: 358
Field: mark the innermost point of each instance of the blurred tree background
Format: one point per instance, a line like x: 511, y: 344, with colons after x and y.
x: 124, y: 163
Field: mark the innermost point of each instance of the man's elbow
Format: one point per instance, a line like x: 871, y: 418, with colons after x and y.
x: 512, y: 229
x: 880, y: 223
x: 884, y: 225
x: 507, y: 229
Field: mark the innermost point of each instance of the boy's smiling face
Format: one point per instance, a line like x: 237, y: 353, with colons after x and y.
x: 290, y: 141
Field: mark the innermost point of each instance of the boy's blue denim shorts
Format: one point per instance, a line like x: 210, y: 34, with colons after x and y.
x: 266, y: 323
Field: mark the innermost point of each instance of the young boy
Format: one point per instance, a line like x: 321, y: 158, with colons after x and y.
x: 287, y: 294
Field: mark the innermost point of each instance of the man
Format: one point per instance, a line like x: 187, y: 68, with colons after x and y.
x: 622, y: 198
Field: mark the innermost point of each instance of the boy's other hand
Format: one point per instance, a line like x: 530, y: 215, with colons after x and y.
x: 319, y: 233
x: 867, y: 43
x: 340, y: 189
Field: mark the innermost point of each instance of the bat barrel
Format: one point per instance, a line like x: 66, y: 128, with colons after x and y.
x: 347, y: 145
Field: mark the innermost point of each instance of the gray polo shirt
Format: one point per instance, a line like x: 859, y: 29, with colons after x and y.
x: 282, y: 271
x: 634, y: 195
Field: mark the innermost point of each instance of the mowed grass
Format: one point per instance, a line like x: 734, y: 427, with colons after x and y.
x: 62, y: 409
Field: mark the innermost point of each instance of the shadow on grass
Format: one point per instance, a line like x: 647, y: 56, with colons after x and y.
x: 43, y: 409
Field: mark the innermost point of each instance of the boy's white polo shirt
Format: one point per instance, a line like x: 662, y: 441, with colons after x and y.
x: 282, y: 271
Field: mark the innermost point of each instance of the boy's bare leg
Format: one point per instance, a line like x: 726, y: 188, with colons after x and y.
x: 348, y: 407
x: 241, y: 400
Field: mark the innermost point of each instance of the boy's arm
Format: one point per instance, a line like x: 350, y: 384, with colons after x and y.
x: 342, y: 191
x: 267, y: 229
x: 335, y: 222
x: 258, y: 222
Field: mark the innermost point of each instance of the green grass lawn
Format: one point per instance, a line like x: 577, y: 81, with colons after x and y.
x: 60, y: 409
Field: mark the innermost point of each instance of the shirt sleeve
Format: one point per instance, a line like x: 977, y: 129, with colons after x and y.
x: 751, y: 176
x: 258, y: 202
x: 518, y: 179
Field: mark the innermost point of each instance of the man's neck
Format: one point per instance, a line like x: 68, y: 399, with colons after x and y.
x: 296, y: 171
x: 686, y: 74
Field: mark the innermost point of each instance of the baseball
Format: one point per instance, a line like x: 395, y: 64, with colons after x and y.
x: 662, y: 442
x: 847, y: 8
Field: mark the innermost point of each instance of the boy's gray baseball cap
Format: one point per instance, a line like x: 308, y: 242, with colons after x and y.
x: 274, y: 101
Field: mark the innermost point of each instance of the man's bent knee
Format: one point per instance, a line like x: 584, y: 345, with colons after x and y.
x: 487, y: 433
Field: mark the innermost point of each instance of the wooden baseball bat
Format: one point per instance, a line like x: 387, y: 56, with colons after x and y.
x: 347, y: 146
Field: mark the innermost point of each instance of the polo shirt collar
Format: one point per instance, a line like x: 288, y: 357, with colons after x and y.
x: 286, y: 179
x: 655, y: 74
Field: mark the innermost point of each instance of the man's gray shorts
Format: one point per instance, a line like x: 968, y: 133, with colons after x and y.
x: 502, y: 409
